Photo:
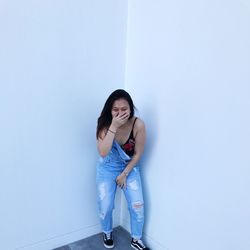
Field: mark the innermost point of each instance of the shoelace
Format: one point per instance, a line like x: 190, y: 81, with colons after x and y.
x: 141, y: 243
x: 108, y: 236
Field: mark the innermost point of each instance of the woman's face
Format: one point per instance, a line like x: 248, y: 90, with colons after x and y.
x: 120, y: 107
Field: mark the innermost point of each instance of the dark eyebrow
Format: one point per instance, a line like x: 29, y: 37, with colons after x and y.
x: 125, y: 107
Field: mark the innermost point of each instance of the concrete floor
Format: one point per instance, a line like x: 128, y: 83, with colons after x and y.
x: 121, y: 237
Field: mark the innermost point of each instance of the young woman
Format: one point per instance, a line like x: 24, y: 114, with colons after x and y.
x: 120, y: 141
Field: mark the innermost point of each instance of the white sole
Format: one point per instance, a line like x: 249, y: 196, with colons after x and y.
x: 109, y: 247
x: 135, y: 247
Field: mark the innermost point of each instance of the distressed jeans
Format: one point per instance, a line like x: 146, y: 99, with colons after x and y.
x: 108, y: 169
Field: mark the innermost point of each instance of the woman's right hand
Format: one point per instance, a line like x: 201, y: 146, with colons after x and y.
x: 119, y: 120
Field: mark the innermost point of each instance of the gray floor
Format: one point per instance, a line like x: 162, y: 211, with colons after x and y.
x: 121, y: 240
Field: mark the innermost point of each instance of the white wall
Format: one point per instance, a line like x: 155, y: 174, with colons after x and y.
x: 188, y: 71
x: 58, y: 62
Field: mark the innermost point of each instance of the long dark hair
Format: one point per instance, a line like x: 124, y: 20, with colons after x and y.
x: 105, y: 118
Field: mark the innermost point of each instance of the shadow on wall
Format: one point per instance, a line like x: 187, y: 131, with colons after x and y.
x: 150, y: 117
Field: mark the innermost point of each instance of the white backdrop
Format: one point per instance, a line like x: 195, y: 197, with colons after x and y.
x: 188, y: 70
x: 59, y: 60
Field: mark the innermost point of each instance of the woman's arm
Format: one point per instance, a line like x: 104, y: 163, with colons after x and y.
x: 105, y: 140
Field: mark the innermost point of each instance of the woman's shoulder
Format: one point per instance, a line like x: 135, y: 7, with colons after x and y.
x: 139, y: 123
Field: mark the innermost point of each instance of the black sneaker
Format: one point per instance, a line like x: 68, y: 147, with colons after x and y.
x: 138, y: 244
x: 108, y: 240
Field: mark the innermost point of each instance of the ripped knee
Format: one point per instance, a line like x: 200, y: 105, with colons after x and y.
x: 138, y: 208
x: 137, y: 205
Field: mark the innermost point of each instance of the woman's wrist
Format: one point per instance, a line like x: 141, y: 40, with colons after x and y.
x: 125, y: 173
x: 112, y: 129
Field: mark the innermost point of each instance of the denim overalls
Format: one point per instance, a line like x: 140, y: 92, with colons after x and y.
x: 108, y: 169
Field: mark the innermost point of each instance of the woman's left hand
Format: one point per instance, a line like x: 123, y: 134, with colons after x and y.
x: 121, y: 180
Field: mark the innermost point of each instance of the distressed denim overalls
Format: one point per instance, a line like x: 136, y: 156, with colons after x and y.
x: 108, y: 169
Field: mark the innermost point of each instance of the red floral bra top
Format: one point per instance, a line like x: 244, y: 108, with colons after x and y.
x: 129, y: 145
